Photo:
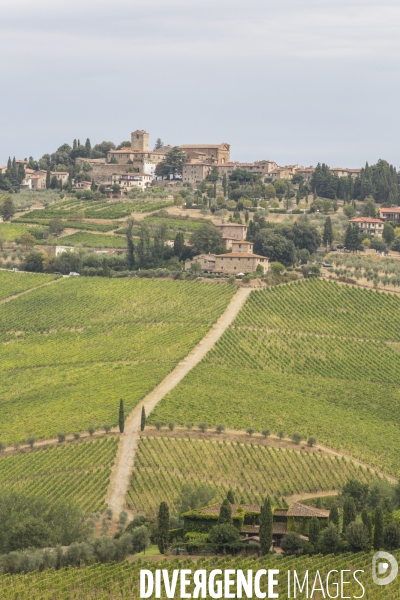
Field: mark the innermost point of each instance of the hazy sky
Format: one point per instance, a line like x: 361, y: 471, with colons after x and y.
x: 293, y: 81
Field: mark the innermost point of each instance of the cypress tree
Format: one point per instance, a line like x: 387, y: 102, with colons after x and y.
x: 266, y: 526
x: 88, y: 147
x: 378, y: 530
x: 349, y: 512
x: 328, y: 233
x: 143, y: 419
x: 93, y: 186
x: 48, y: 179
x: 163, y: 527
x: 366, y: 519
x: 121, y: 420
x: 224, y: 183
x: 313, y: 531
x: 231, y: 497
x: 225, y: 513
x: 334, y: 515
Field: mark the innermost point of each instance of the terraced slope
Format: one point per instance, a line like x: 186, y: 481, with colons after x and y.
x: 252, y: 470
x: 315, y: 357
x: 70, y: 351
x: 78, y: 472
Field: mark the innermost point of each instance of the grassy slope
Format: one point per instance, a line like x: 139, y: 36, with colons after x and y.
x: 251, y: 469
x: 70, y: 351
x: 315, y: 357
x: 93, y: 240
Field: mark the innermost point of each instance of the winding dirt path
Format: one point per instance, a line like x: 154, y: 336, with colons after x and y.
x: 123, y: 467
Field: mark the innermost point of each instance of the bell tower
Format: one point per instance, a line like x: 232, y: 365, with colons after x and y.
x: 140, y: 140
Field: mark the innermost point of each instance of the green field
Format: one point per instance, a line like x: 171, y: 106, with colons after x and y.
x: 315, y: 357
x: 79, y: 472
x: 250, y: 469
x: 10, y: 231
x: 93, y: 240
x: 13, y: 283
x: 70, y: 351
x: 120, y: 581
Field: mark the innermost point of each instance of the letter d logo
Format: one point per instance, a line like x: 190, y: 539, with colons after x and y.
x: 383, y: 568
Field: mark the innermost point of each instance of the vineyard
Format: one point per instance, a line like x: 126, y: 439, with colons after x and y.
x: 10, y: 231
x: 14, y: 283
x: 314, y: 357
x: 251, y: 470
x: 70, y: 351
x: 93, y: 240
x: 79, y: 472
x: 121, y: 580
x: 73, y: 208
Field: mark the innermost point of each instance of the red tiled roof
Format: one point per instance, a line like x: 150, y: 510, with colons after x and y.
x: 365, y: 220
x: 240, y: 255
x: 215, y: 508
x: 301, y: 510
x: 394, y: 209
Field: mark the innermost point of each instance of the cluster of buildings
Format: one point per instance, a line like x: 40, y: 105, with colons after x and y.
x: 246, y: 518
x: 239, y: 261
x: 135, y: 166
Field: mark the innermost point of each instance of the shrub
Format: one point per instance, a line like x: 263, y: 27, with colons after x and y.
x: 77, y: 435
x: 203, y: 427
x: 250, y: 431
x: 220, y: 428
x: 61, y: 436
x: 189, y: 426
x: 297, y: 437
x: 2, y: 446
x: 311, y: 441
x: 265, y: 433
x: 31, y: 440
x: 281, y: 434
x: 91, y: 429
x: 171, y: 426
x: 292, y: 543
x: 158, y: 425
x: 107, y: 427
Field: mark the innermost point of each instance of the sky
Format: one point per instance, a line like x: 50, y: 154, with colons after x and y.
x: 295, y: 81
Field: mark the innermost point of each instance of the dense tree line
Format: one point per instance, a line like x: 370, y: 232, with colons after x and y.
x: 380, y: 181
x: 286, y: 244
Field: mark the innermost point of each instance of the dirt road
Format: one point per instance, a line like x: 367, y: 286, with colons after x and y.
x: 124, y: 462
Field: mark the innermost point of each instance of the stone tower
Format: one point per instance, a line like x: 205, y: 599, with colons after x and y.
x: 140, y: 140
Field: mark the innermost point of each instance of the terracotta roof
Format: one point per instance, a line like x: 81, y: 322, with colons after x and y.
x: 394, y: 209
x: 365, y: 220
x: 301, y: 510
x: 231, y: 225
x: 215, y: 508
x: 240, y: 255
x: 279, y: 528
x: 123, y: 150
x: 250, y: 529
x: 202, y: 145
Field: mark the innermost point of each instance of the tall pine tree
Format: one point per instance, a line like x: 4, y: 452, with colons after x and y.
x: 121, y: 419
x: 163, y: 527
x: 266, y: 526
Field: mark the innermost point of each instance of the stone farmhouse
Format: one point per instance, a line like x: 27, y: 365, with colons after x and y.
x: 239, y: 261
x: 246, y: 518
x: 369, y: 225
x: 390, y: 214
